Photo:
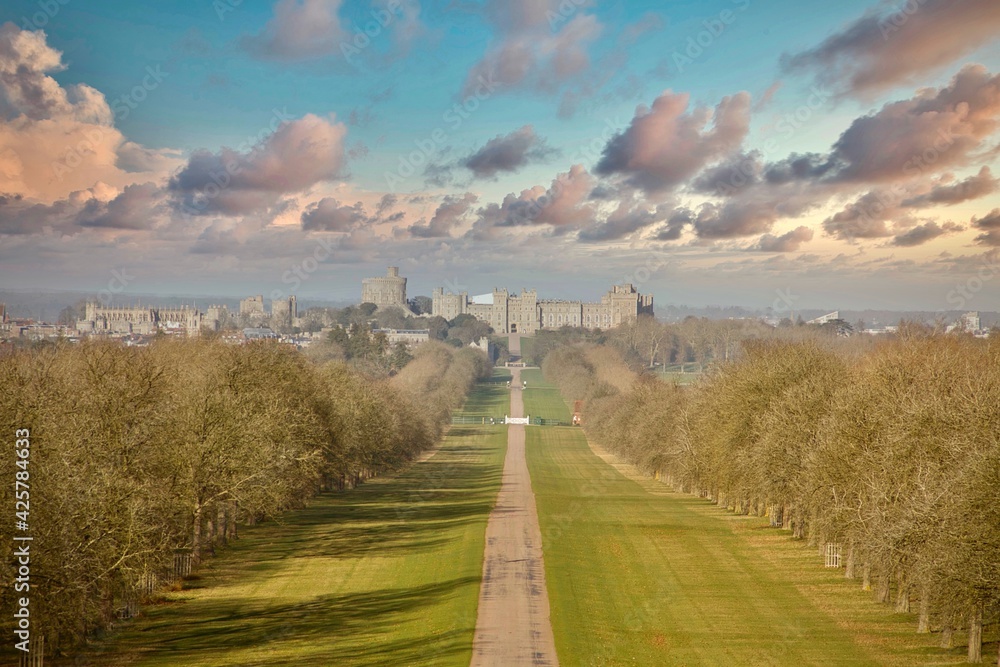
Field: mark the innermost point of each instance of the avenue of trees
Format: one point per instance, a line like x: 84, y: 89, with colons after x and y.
x: 137, y: 453
x: 889, y: 451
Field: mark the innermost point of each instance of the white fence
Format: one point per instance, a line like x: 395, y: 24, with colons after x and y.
x: 517, y: 420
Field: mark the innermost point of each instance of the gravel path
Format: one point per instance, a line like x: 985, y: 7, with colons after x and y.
x: 513, y: 627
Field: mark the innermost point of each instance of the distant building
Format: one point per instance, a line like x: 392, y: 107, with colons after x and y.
x: 259, y: 333
x: 215, y: 316
x: 252, y: 306
x: 284, y: 312
x: 409, y: 337
x: 823, y: 319
x: 143, y: 320
x: 387, y: 291
x: 969, y: 322
x: 526, y: 313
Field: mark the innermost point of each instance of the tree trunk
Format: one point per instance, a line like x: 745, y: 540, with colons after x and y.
x: 946, y: 632
x: 196, y: 535
x: 221, y: 523
x: 849, y: 564
x: 924, y: 623
x: 882, y: 594
x: 976, y: 636
x: 209, y: 539
x: 902, y: 593
x: 866, y: 577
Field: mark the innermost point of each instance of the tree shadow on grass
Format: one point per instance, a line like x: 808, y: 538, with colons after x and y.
x: 411, y: 512
x: 216, y: 627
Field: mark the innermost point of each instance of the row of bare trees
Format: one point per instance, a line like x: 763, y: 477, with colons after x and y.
x: 137, y: 452
x: 891, y: 454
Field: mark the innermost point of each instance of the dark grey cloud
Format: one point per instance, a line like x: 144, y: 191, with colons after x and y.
x: 329, y: 215
x: 132, y: 209
x: 738, y: 172
x: 990, y: 226
x: 508, y: 153
x: 19, y: 216
x: 628, y: 218
x: 674, y: 227
x: 923, y: 233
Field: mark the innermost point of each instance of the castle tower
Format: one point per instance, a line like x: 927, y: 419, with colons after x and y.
x: 387, y: 291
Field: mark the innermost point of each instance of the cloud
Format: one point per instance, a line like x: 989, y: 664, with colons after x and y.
x: 734, y: 218
x: 56, y: 140
x: 507, y: 153
x: 930, y: 132
x: 27, y: 90
x: 299, y: 154
x: 864, y: 218
x: 926, y: 232
x: 647, y: 23
x: 893, y: 45
x: 132, y: 209
x: 19, y: 216
x: 303, y: 30
x: 448, y: 215
x: 665, y: 144
x: 629, y: 217
x: 564, y: 204
x: 990, y: 225
x: 329, y: 215
x: 137, y: 207
x: 788, y: 242
x: 540, y: 45
x: 674, y: 227
x: 972, y: 187
x: 299, y: 29
x: 735, y: 174
x: 937, y: 129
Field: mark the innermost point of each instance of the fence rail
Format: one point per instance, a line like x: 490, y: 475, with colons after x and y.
x: 476, y: 419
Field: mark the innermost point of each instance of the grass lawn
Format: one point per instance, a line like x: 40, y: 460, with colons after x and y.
x: 387, y: 574
x: 641, y: 576
x: 679, y: 378
x: 527, y: 347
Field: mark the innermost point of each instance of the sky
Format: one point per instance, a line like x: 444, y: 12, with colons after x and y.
x: 719, y: 152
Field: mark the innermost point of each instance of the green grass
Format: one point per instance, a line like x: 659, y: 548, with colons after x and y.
x: 679, y: 378
x: 640, y: 576
x: 387, y: 574
x: 527, y: 348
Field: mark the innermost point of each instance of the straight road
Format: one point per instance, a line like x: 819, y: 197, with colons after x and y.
x: 513, y: 627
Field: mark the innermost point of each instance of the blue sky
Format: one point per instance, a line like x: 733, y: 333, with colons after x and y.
x: 613, y: 133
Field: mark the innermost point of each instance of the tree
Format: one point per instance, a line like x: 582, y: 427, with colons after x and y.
x: 69, y: 315
x: 438, y: 328
x: 422, y: 305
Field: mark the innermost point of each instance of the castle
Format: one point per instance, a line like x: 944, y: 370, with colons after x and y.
x: 526, y: 313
